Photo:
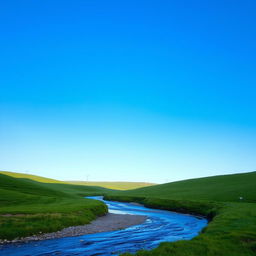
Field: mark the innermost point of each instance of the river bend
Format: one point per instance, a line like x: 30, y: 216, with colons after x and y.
x: 160, y: 226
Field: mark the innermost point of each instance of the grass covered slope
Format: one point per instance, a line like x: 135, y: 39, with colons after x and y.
x: 217, y: 188
x: 232, y: 230
x: 28, y: 207
x: 118, y: 185
x: 31, y: 177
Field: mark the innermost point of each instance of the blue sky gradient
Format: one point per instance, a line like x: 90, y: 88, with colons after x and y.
x: 137, y: 90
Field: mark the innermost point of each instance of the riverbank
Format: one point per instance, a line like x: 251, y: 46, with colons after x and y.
x: 231, y: 230
x: 109, y: 222
x: 28, y: 207
x: 159, y: 226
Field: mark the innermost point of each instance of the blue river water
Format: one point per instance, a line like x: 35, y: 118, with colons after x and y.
x: 160, y: 226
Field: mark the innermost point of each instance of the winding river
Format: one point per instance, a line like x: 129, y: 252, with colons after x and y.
x: 160, y: 226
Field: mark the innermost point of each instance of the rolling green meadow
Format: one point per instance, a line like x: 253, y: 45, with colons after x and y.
x: 224, y: 188
x: 28, y: 207
x: 118, y: 185
x: 232, y: 227
x: 30, y: 204
x: 111, y: 100
x: 33, y: 204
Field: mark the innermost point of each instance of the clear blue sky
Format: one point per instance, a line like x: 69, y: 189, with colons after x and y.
x: 128, y: 90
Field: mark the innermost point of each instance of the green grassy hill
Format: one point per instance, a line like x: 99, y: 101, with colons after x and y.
x: 31, y: 177
x: 227, y: 188
x: 20, y: 191
x: 28, y: 207
x: 118, y: 185
x: 232, y: 229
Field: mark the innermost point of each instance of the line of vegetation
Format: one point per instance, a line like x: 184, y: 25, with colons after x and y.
x: 204, y: 209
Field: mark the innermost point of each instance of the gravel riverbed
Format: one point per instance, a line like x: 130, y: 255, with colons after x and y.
x: 109, y: 222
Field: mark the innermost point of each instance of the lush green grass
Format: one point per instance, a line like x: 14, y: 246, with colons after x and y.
x: 28, y: 207
x: 110, y: 185
x: 218, y: 188
x: 232, y: 230
x: 113, y: 185
x: 31, y: 177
